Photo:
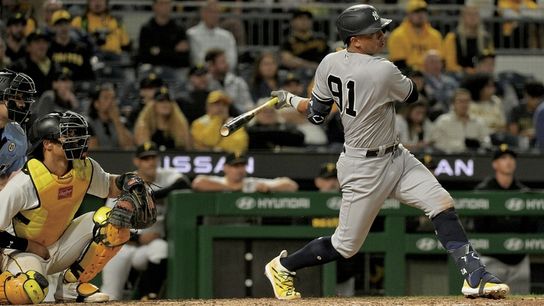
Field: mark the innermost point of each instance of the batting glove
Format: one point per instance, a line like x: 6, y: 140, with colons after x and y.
x: 283, y: 98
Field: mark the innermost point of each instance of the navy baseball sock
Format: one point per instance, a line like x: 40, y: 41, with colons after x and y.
x: 318, y: 251
x: 451, y: 234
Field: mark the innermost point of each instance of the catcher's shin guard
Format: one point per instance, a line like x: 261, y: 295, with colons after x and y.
x: 107, y: 241
x: 24, y: 288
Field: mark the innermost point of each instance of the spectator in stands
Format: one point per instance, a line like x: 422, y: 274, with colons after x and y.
x: 438, y: 86
x: 108, y: 32
x: 193, y: 104
x: 60, y: 98
x: 223, y: 79
x: 15, y: 37
x: 207, y: 35
x: 538, y: 121
x: 314, y: 135
x: 163, y: 41
x: 513, y: 269
x: 415, y: 128
x: 205, y: 130
x: 49, y: 7
x: 146, y: 93
x: 36, y: 64
x: 105, y: 120
x: 456, y: 131
x: 504, y: 86
x: 236, y: 179
x: 268, y: 131
x: 162, y: 122
x: 463, y: 46
x: 304, y: 48
x: 486, y: 106
x: 408, y: 43
x: 514, y: 33
x: 68, y: 52
x: 265, y: 76
x: 147, y: 250
x: 520, y: 121
x: 4, y: 59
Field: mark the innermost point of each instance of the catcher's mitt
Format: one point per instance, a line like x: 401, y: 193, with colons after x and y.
x: 135, y: 207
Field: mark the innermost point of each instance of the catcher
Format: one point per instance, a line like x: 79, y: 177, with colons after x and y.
x: 38, y: 231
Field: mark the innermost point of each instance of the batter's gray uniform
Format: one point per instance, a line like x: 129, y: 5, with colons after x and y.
x: 373, y: 165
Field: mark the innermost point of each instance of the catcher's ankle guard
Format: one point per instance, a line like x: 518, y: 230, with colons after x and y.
x: 30, y: 287
x: 107, y: 241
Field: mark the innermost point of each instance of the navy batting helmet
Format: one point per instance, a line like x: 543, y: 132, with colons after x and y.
x: 359, y: 20
x: 68, y: 128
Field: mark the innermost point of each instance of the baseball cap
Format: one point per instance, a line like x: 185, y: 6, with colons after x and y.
x: 299, y: 13
x: 63, y: 74
x: 235, y: 159
x: 218, y: 96
x: 163, y: 94
x: 416, y: 5
x: 197, y: 70
x: 152, y: 80
x: 327, y: 170
x: 503, y: 149
x: 291, y: 78
x: 60, y: 15
x: 37, y: 35
x: 17, y: 18
x: 148, y: 148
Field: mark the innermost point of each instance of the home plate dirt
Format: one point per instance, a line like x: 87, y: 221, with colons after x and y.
x: 530, y: 300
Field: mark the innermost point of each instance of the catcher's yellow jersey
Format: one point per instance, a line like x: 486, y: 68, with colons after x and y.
x: 59, y: 199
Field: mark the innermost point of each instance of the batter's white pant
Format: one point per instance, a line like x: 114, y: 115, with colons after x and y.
x: 518, y: 276
x: 116, y: 271
x: 366, y: 182
x: 63, y: 252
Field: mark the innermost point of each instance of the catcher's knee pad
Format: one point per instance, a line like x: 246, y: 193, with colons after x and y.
x: 30, y: 287
x: 107, y: 241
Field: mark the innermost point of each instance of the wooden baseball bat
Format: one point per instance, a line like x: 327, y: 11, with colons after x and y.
x: 237, y: 122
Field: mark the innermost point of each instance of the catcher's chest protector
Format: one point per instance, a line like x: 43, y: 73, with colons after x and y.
x: 59, y: 199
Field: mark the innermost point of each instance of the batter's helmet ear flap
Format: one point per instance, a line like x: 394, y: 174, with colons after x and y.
x: 45, y: 127
x: 359, y: 19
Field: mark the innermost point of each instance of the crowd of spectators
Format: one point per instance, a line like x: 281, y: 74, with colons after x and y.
x: 188, y: 80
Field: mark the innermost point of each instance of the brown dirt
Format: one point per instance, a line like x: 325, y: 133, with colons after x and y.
x: 530, y: 300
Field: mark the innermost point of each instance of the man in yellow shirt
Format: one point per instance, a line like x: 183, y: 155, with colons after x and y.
x: 409, y: 42
x: 205, y: 130
x: 109, y: 33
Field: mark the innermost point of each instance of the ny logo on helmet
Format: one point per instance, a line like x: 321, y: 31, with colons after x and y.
x: 375, y: 15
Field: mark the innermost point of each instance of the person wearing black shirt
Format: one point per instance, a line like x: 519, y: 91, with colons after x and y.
x: 513, y: 269
x: 163, y: 41
x: 68, y: 52
x: 303, y: 48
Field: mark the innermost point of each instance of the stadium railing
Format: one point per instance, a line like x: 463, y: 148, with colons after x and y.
x: 190, y: 262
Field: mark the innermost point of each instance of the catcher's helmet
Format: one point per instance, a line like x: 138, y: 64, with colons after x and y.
x: 359, y: 20
x: 18, y: 91
x: 68, y: 128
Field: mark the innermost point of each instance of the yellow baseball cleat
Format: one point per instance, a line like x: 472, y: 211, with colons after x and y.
x: 281, y: 279
x: 489, y: 290
x: 80, y: 292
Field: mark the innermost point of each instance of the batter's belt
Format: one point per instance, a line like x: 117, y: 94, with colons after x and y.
x: 381, y: 151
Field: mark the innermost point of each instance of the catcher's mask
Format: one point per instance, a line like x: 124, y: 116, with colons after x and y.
x: 19, y: 91
x: 68, y: 128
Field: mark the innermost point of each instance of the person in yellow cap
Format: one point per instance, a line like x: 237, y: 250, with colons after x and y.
x: 205, y: 130
x: 408, y: 43
x: 68, y: 52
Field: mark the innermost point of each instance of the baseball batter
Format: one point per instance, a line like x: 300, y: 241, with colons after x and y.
x: 373, y: 165
x: 16, y: 95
